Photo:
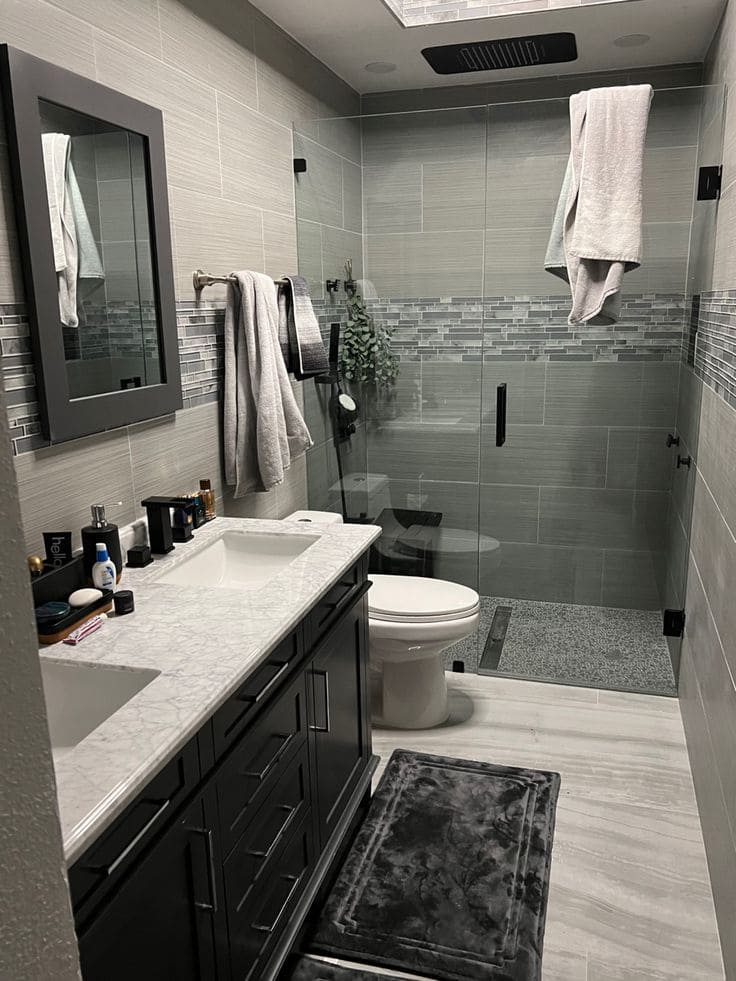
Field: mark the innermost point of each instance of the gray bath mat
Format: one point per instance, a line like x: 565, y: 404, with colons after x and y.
x: 308, y: 969
x: 449, y: 873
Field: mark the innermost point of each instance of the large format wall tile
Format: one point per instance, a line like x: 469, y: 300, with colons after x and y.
x: 433, y: 452
x: 431, y: 264
x: 256, y: 156
x: 430, y: 137
x: 453, y: 195
x: 593, y: 395
x: 639, y: 459
x: 509, y: 513
x: 555, y: 575
x: 525, y: 385
x: 170, y: 455
x: 215, y: 45
x: 190, y: 124
x: 546, y: 455
x: 523, y: 192
x: 602, y: 518
x: 57, y: 485
x: 50, y: 33
x: 392, y: 198
x: 714, y: 551
x: 215, y: 235
x: 631, y: 579
x: 319, y: 194
x: 717, y: 452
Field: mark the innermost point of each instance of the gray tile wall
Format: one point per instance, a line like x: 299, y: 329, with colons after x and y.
x: 215, y: 74
x: 706, y: 499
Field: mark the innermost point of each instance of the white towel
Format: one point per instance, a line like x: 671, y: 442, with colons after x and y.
x: 56, y: 147
x: 600, y: 208
x: 75, y: 252
x: 263, y: 427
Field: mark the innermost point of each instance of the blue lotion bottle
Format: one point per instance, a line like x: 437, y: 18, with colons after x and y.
x: 103, y: 571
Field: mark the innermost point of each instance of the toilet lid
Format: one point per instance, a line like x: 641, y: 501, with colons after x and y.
x: 419, y: 600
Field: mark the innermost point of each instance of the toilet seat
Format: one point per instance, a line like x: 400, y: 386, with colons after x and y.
x: 414, y: 599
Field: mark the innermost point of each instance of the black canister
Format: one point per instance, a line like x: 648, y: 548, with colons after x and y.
x: 101, y: 530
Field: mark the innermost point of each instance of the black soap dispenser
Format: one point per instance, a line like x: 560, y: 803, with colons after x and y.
x: 101, y: 530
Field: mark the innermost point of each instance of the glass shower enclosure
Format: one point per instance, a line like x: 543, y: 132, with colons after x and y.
x: 533, y: 461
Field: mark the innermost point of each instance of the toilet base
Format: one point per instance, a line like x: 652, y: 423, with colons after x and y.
x: 409, y: 694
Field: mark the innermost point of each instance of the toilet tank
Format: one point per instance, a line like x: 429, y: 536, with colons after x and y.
x: 316, y: 517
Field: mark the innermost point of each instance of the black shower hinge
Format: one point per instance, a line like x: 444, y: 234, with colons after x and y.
x: 300, y: 165
x: 674, y: 623
x: 710, y: 180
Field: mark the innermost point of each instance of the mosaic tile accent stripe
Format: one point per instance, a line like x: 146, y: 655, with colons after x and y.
x: 201, y: 355
x: 522, y: 328
x: 714, y: 357
x: 413, y: 13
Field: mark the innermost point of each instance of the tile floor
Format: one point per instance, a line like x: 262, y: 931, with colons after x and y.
x: 585, y: 645
x: 630, y: 898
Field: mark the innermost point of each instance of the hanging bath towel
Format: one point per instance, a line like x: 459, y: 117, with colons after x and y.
x: 597, y: 231
x: 263, y: 427
x: 301, y: 342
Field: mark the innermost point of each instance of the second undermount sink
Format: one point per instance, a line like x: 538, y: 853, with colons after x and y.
x: 80, y: 697
x: 239, y: 559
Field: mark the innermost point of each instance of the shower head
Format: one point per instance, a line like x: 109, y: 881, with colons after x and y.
x: 503, y: 54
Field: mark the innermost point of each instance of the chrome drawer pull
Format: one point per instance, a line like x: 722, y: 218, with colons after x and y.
x: 260, y: 777
x: 109, y: 869
x: 326, y: 727
x: 269, y: 851
x: 254, y: 699
x: 294, y: 880
x: 210, y: 907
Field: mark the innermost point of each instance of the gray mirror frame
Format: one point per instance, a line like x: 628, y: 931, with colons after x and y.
x: 26, y: 80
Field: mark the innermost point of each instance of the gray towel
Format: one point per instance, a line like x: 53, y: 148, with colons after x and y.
x: 263, y: 427
x: 597, y: 231
x: 299, y: 335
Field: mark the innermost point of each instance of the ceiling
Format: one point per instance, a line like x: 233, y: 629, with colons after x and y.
x: 349, y: 34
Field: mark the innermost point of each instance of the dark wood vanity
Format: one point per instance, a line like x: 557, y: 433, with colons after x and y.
x: 209, y: 873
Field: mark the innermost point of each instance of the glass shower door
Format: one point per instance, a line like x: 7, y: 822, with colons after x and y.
x: 577, y: 498
x: 423, y: 206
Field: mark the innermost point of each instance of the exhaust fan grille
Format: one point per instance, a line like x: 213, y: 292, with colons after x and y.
x: 512, y: 52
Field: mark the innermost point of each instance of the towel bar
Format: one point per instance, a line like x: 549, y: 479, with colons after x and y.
x: 201, y: 279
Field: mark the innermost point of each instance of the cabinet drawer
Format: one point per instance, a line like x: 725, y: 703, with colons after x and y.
x: 254, y: 927
x: 338, y: 598
x: 274, y: 823
x: 103, y: 865
x: 238, y: 711
x: 255, y: 766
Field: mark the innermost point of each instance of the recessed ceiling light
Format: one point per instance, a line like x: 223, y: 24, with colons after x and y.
x: 632, y: 40
x: 380, y: 67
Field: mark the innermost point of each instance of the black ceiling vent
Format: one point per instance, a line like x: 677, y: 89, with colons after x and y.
x: 511, y: 52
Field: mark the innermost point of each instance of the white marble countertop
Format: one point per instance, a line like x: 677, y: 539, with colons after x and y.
x: 204, y: 642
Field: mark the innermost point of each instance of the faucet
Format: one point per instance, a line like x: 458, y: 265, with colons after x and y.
x: 160, y: 532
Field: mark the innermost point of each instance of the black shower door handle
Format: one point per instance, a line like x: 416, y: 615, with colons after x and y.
x: 501, y: 414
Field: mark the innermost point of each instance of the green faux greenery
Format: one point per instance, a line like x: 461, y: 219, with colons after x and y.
x: 366, y: 356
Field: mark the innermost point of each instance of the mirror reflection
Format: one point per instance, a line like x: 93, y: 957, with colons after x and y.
x: 96, y: 182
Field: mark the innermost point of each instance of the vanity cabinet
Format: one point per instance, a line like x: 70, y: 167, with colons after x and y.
x: 209, y: 872
x: 158, y: 924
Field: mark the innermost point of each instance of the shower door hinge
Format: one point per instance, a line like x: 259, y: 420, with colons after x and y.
x: 709, y: 183
x: 300, y: 165
x: 674, y: 623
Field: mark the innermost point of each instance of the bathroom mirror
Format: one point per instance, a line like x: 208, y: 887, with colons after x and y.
x: 90, y: 193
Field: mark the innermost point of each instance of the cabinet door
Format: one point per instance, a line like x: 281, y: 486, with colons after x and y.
x: 340, y: 722
x: 160, y: 922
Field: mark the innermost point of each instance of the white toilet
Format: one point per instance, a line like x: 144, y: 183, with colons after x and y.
x: 411, y: 622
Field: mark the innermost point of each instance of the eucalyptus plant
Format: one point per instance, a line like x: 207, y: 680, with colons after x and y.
x: 366, y: 357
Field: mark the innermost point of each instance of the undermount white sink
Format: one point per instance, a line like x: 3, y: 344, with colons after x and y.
x: 239, y: 559
x: 80, y: 697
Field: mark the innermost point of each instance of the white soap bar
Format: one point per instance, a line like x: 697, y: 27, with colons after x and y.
x: 83, y: 597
